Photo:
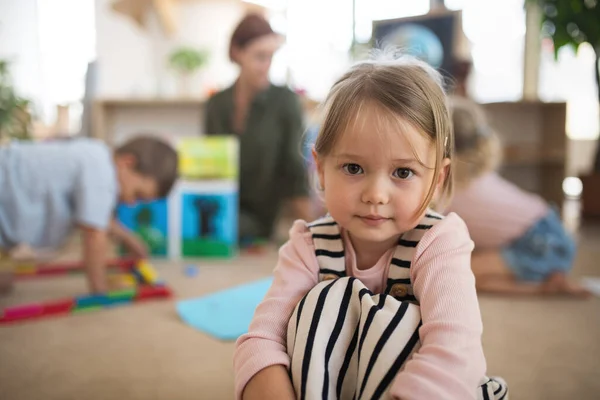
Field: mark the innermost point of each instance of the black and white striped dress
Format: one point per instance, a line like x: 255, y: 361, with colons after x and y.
x: 344, y: 342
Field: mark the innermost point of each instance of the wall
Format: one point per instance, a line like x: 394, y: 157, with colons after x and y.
x: 132, y: 61
x: 581, y: 156
x: 19, y: 43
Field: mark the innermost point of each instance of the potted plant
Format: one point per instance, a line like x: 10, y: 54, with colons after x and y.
x: 186, y: 61
x: 571, y: 23
x: 15, y: 119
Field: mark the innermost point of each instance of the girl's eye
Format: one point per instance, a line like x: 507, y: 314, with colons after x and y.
x: 352, y: 169
x: 403, y: 173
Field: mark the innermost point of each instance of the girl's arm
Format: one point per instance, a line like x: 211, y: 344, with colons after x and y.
x: 265, y: 343
x: 271, y: 383
x: 450, y: 362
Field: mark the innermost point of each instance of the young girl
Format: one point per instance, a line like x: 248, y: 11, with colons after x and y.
x: 383, y: 153
x: 521, y: 246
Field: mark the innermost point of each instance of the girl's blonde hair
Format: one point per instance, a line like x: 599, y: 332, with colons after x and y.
x: 478, y: 148
x: 407, y: 90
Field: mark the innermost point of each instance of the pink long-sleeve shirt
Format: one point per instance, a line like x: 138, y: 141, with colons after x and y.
x: 450, y: 362
x: 496, y: 211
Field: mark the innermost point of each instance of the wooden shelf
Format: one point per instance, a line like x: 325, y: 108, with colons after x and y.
x: 150, y: 102
x: 104, y: 111
x: 534, y: 145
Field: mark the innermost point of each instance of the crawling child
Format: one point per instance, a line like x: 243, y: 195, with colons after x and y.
x: 521, y: 245
x: 50, y: 188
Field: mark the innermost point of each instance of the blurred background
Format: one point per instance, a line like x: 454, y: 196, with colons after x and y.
x: 110, y: 69
x: 102, y: 68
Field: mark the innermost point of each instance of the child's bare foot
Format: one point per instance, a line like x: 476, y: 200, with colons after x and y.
x: 557, y: 284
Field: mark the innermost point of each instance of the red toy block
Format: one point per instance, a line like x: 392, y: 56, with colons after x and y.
x: 24, y: 311
x: 59, y: 307
x: 149, y: 292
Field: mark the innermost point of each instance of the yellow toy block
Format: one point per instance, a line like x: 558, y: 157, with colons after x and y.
x: 147, y: 272
x: 25, y: 269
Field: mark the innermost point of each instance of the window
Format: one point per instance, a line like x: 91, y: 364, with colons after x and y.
x: 67, y: 44
x: 571, y: 79
x: 318, y: 43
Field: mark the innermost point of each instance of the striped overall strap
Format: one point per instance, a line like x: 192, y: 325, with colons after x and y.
x: 329, y: 248
x: 398, y: 283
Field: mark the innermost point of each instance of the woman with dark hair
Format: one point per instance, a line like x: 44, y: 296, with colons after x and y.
x: 269, y: 122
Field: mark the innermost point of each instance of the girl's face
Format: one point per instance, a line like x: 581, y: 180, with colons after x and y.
x: 255, y: 60
x: 373, y: 181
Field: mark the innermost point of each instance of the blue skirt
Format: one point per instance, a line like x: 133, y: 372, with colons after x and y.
x: 545, y: 248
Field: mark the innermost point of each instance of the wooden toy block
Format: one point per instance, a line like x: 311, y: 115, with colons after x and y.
x: 209, y: 157
x: 205, y: 218
x: 90, y: 301
x: 24, y: 311
x: 125, y: 294
x: 59, y: 307
x: 149, y: 221
x: 149, y: 292
x: 152, y: 288
x: 86, y: 303
x: 147, y: 272
x: 86, y: 309
x: 25, y: 269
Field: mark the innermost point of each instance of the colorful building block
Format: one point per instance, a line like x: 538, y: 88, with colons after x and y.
x: 147, y: 273
x: 82, y: 304
x: 59, y: 307
x: 206, y: 218
x: 149, y: 221
x: 209, y: 157
x: 24, y: 311
x: 200, y: 216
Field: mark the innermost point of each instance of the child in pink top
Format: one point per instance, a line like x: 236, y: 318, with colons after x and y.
x: 521, y: 246
x: 383, y: 153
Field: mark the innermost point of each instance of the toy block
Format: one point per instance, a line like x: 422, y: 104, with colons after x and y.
x: 149, y: 221
x: 125, y: 294
x: 148, y: 292
x: 209, y: 157
x: 59, y: 307
x: 83, y: 304
x: 25, y: 269
x: 86, y: 309
x: 24, y: 311
x: 205, y: 219
x: 93, y: 300
x: 147, y: 272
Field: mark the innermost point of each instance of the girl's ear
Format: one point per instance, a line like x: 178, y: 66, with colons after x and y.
x: 320, y: 172
x: 442, y: 175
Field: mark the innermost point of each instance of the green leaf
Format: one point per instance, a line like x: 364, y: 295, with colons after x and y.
x: 15, y: 121
x: 187, y: 59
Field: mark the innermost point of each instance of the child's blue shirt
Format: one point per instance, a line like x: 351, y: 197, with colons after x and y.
x: 47, y: 188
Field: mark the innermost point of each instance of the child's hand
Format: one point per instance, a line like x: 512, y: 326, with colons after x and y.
x: 131, y: 242
x: 135, y: 246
